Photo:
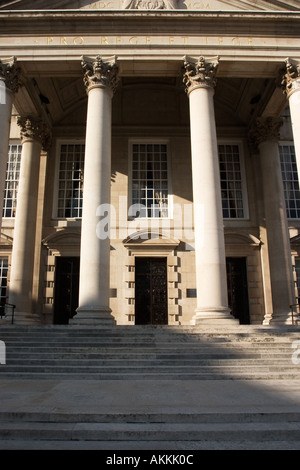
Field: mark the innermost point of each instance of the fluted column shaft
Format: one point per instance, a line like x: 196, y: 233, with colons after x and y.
x: 100, y: 80
x: 212, y: 303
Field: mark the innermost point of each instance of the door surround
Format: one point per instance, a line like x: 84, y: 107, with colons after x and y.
x: 152, y: 245
x: 65, y: 242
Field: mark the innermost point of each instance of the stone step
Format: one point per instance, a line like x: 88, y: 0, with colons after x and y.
x: 148, y: 417
x: 142, y: 354
x: 57, y: 355
x: 145, y: 361
x: 157, y: 351
x: 141, y: 357
x: 144, y: 449
x: 147, y: 352
x: 150, y: 367
x: 163, y: 350
x: 156, y: 376
x: 172, y: 348
x: 99, y: 431
x: 167, y: 342
x: 136, y: 331
x: 199, y: 341
x: 257, y: 339
x: 127, y: 356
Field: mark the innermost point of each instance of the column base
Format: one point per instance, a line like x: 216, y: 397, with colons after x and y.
x: 214, y: 316
x: 96, y: 316
x: 286, y: 318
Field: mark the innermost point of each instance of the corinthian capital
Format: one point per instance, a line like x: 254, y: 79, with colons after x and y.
x: 291, y: 79
x: 199, y: 73
x: 266, y: 129
x: 10, y: 74
x: 99, y: 73
x: 35, y: 129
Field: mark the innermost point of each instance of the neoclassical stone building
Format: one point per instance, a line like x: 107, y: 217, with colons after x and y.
x: 149, y: 160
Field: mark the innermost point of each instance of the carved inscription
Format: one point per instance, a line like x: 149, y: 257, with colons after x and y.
x: 99, y: 6
x: 112, y: 40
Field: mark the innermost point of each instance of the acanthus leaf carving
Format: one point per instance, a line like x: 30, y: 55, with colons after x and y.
x: 291, y: 79
x: 200, y: 73
x: 36, y: 129
x: 266, y: 129
x: 100, y: 73
x: 10, y: 74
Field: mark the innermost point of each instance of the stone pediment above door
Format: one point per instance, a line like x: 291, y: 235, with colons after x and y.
x: 5, y: 241
x: 205, y: 5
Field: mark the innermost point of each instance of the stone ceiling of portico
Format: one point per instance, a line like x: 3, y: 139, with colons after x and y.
x: 156, y: 101
x: 61, y: 96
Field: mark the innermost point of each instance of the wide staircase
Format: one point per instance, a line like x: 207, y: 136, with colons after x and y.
x: 151, y: 359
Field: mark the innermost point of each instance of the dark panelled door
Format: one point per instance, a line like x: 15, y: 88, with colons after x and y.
x: 151, y: 297
x: 238, y: 289
x: 66, y: 289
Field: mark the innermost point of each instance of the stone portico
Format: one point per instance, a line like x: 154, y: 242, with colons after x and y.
x: 156, y: 147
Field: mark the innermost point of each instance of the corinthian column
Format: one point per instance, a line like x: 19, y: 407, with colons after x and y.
x: 291, y: 87
x: 212, y: 304
x: 35, y: 135
x: 100, y: 78
x: 266, y: 136
x: 9, y: 84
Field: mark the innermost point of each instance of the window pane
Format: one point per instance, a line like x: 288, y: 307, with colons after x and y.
x: 70, y: 182
x: 290, y: 180
x: 149, y: 179
x: 231, y: 182
x: 12, y: 181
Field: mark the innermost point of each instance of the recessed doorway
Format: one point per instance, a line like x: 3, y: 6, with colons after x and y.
x: 151, y: 291
x: 238, y: 289
x: 66, y: 290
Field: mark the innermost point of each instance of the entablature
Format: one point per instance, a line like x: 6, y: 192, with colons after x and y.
x: 172, y: 22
